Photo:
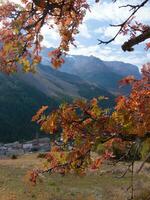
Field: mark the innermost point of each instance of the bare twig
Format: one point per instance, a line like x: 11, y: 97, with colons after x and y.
x: 145, y: 160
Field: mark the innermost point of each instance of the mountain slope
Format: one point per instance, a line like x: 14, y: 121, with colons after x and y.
x: 19, y: 102
x: 122, y: 68
x: 58, y: 84
x: 105, y: 74
x: 23, y: 94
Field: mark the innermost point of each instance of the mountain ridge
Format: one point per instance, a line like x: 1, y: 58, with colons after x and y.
x: 105, y: 74
x: 80, y: 77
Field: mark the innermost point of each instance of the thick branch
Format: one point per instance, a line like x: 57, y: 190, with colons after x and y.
x: 128, y: 46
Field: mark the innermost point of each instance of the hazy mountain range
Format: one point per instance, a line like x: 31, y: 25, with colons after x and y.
x: 80, y: 76
x: 105, y: 74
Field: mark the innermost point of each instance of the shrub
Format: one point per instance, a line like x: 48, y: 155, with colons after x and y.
x: 14, y: 157
x: 41, y: 155
x: 100, y: 149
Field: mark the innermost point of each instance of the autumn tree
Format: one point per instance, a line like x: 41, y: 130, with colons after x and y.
x: 21, y: 30
x: 21, y: 25
x: 82, y: 123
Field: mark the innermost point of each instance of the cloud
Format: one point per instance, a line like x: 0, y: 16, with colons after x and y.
x: 51, y: 36
x: 94, y: 50
x: 109, y: 11
x: 106, y: 12
x: 84, y: 31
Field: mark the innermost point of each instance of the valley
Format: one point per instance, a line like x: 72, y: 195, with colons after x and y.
x: 80, y: 77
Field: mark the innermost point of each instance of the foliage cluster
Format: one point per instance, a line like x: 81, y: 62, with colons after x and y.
x: 84, y: 124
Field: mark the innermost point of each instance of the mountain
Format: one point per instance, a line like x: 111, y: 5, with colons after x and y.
x: 94, y: 70
x: 105, y: 74
x: 123, y: 69
x: 23, y: 94
x: 59, y: 84
x: 80, y: 77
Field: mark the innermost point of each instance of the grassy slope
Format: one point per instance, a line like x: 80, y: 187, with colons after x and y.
x: 13, y: 185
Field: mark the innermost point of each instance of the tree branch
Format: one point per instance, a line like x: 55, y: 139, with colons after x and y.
x: 128, y: 46
x: 135, y: 9
x: 145, y: 160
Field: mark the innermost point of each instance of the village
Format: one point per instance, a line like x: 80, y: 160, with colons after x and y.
x: 18, y: 148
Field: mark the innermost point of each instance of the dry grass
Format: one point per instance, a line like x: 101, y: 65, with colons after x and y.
x: 100, y: 186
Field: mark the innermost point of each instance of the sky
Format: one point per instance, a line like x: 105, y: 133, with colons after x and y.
x: 96, y: 26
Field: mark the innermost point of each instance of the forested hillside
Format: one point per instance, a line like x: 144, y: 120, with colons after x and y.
x: 19, y: 102
x: 23, y: 94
